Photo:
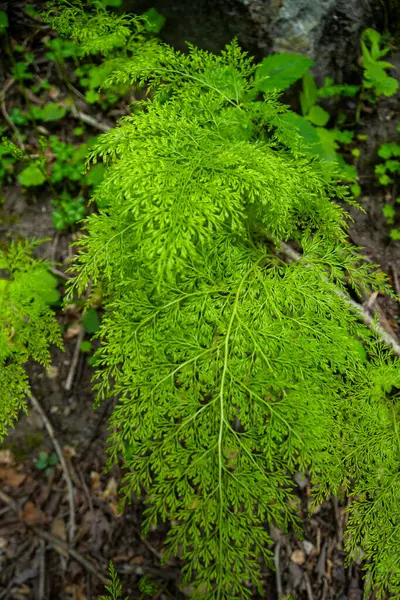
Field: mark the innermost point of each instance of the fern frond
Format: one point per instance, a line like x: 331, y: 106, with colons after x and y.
x: 27, y: 325
x: 232, y: 369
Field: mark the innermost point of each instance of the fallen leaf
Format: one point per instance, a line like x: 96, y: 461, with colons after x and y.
x: 58, y: 529
x: 3, y: 544
x: 52, y: 372
x: 137, y: 560
x: 76, y: 591
x: 72, y: 331
x: 95, y: 481
x: 6, y: 457
x: 32, y: 514
x: 69, y: 452
x: 114, y: 507
x: 111, y: 490
x: 298, y: 557
x: 11, y: 477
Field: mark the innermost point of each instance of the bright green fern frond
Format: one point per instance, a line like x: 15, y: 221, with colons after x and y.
x: 232, y: 369
x: 27, y: 325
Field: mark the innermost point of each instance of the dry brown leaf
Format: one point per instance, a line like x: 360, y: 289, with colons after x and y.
x: 111, y: 490
x: 52, y: 372
x: 69, y: 452
x: 298, y: 557
x: 32, y: 514
x: 137, y: 560
x: 72, y: 331
x: 6, y: 457
x: 11, y: 477
x: 95, y: 481
x: 76, y: 591
x: 58, y: 529
x: 114, y: 507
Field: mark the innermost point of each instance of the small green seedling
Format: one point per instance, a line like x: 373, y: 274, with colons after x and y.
x: 46, y: 462
x: 376, y: 79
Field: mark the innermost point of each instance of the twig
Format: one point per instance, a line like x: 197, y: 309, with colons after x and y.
x: 50, y: 431
x: 42, y: 579
x: 60, y: 274
x: 278, y: 576
x: 5, y: 498
x: 8, y: 84
x: 308, y: 587
x: 363, y: 315
x: 89, y: 120
x: 56, y: 542
x: 75, y: 358
x: 11, y: 123
x: 396, y: 280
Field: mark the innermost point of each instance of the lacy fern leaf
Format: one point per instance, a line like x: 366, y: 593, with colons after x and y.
x: 232, y: 369
x: 27, y: 325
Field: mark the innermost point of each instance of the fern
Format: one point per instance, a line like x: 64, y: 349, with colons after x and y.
x: 233, y: 369
x: 114, y: 587
x: 27, y: 325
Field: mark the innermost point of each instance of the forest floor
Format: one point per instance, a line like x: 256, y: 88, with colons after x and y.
x: 37, y: 559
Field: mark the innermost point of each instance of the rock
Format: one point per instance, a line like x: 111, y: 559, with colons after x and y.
x: 308, y: 547
x: 326, y: 30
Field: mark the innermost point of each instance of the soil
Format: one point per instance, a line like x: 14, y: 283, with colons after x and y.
x: 35, y: 559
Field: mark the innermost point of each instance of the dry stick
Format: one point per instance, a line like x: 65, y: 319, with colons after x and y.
x: 363, y: 315
x: 308, y: 587
x: 9, y: 121
x: 70, y: 378
x: 50, y: 431
x: 60, y: 274
x: 42, y: 580
x: 57, y: 542
x: 278, y: 577
x: 89, y: 120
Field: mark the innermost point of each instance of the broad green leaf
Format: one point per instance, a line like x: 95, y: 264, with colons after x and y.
x: 3, y: 21
x: 303, y: 127
x: 85, y: 346
x: 95, y: 175
x: 31, y: 176
x: 279, y: 71
x: 154, y: 20
x: 91, y: 321
x: 389, y: 213
x: 53, y: 112
x: 318, y: 116
x: 91, y: 96
x: 308, y: 96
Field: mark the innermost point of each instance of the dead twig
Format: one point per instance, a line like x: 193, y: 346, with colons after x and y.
x: 60, y: 274
x: 10, y: 122
x: 395, y: 280
x: 278, y: 575
x: 308, y: 587
x: 89, y: 120
x: 377, y: 328
x: 75, y: 358
x: 42, y: 570
x: 56, y: 542
x: 70, y: 488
